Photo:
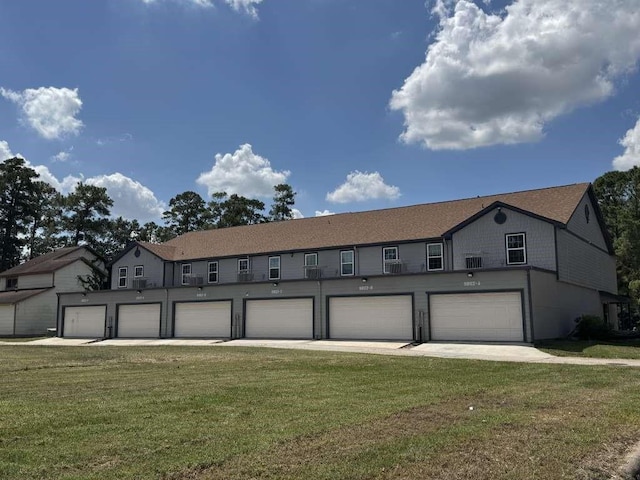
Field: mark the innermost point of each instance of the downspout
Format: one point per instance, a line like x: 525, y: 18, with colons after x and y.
x: 58, y: 319
x: 530, y: 305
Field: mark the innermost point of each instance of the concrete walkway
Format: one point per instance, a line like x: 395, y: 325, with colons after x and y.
x: 469, y: 351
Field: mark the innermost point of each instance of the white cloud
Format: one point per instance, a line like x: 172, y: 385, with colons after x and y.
x: 5, y: 151
x: 65, y: 185
x: 631, y: 143
x: 499, y: 79
x: 131, y: 199
x: 363, y: 186
x: 50, y: 111
x: 62, y: 156
x: 296, y: 213
x: 324, y: 213
x: 244, y: 6
x: 242, y: 172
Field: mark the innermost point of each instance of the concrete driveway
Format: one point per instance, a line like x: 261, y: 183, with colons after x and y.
x: 469, y: 351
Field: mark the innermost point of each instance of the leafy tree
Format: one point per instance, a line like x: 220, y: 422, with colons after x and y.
x: 18, y: 193
x: 187, y: 213
x: 96, y: 280
x: 85, y: 216
x: 121, y: 232
x: 239, y: 210
x: 153, y: 233
x: 44, y: 231
x: 283, y: 200
x: 618, y: 196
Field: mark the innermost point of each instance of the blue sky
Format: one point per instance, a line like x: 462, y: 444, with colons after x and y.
x: 358, y: 105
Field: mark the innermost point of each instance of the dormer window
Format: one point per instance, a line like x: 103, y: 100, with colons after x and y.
x: 12, y: 283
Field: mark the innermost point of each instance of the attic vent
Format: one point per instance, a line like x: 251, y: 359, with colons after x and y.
x: 500, y: 217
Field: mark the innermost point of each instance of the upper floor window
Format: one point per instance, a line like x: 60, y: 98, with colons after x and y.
x: 213, y: 272
x: 347, y: 262
x: 122, y: 277
x: 390, y: 260
x: 434, y: 257
x: 186, y: 273
x: 311, y: 269
x: 138, y: 271
x: 274, y: 268
x: 516, y: 249
x: 243, y: 265
x: 12, y: 283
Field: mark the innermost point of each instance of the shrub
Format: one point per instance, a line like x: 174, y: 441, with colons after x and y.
x: 592, y: 327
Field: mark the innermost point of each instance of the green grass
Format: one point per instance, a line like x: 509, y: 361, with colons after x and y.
x: 20, y: 339
x: 592, y: 348
x: 230, y: 413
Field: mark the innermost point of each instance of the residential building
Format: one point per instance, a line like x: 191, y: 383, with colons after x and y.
x: 28, y: 292
x: 513, y: 267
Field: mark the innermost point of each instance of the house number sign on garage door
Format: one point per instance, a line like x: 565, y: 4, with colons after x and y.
x: 472, y: 283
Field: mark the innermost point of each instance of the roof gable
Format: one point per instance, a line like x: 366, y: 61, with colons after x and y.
x: 412, y: 223
x: 47, y: 263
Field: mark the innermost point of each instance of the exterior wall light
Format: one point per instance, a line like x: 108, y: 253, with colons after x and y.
x: 365, y: 279
x: 470, y: 274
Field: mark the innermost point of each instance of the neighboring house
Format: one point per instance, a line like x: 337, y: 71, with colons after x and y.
x: 28, y: 292
x: 515, y: 267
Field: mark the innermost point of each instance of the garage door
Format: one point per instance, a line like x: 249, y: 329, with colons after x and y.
x: 202, y: 319
x: 286, y: 318
x: 84, y: 322
x: 139, y: 321
x: 6, y: 319
x: 476, y: 317
x: 371, y: 318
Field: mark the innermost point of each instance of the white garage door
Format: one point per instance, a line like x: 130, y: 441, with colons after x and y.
x: 6, y: 319
x: 476, y: 317
x: 139, y: 321
x: 371, y: 318
x: 202, y: 319
x: 285, y: 318
x: 84, y: 322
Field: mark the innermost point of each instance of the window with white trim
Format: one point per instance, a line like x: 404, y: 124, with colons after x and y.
x: 138, y: 271
x: 390, y: 260
x: 213, y: 272
x: 186, y: 273
x: 347, y: 263
x: 122, y: 277
x: 311, y: 269
x: 274, y: 268
x: 243, y: 265
x: 516, y: 249
x: 434, y: 257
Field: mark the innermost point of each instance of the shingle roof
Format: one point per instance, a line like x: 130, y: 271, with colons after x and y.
x: 15, y: 296
x: 416, y: 222
x: 49, y: 262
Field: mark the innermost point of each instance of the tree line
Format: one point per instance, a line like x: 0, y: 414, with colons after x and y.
x: 36, y: 219
x: 618, y: 196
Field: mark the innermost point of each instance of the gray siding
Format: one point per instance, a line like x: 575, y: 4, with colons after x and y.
x: 35, y: 314
x: 418, y: 285
x: 3, y: 283
x: 43, y: 280
x: 487, y: 239
x: 556, y: 305
x: 583, y: 264
x: 66, y: 279
x: 590, y: 231
x: 153, y: 268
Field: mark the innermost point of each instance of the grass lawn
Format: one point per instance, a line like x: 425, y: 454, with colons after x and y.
x: 230, y: 413
x: 20, y: 339
x: 595, y: 348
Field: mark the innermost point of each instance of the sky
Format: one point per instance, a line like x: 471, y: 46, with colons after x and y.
x: 357, y: 104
